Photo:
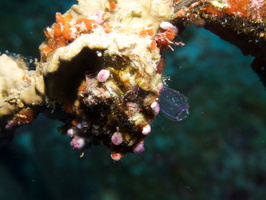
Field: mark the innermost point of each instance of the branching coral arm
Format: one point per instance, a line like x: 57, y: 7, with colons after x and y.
x: 101, y: 67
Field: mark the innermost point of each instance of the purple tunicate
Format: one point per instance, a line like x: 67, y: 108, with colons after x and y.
x: 103, y: 75
x: 139, y: 148
x: 146, y: 129
x: 71, y: 132
x: 173, y: 104
x: 117, y: 138
x: 155, y: 107
x: 12, y: 125
x: 78, y: 142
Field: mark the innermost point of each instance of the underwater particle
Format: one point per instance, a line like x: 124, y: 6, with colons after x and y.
x: 103, y: 75
x: 116, y: 156
x: 146, y: 129
x: 117, y: 138
x: 82, y: 155
x: 174, y: 105
x: 139, y: 148
x: 77, y: 142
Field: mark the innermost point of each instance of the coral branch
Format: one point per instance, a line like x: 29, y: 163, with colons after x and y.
x: 21, y: 92
x: 240, y: 22
x: 98, y: 66
x: 101, y: 66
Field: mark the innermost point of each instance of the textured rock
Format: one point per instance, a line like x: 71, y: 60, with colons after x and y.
x: 101, y: 68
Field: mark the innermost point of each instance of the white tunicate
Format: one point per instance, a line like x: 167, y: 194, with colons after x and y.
x: 173, y: 104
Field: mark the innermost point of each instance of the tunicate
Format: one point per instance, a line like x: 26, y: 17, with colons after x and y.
x: 173, y: 104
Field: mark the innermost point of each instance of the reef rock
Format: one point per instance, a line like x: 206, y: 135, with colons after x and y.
x: 101, y: 67
x: 99, y: 63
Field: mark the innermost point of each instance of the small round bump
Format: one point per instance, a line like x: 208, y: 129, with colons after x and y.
x: 77, y: 142
x: 116, y: 156
x: 71, y: 132
x: 103, y: 75
x: 155, y: 107
x: 146, y: 129
x: 117, y: 138
x: 139, y: 148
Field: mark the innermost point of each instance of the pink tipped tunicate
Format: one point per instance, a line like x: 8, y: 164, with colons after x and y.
x: 116, y: 156
x: 160, y: 87
x: 99, y: 16
x: 71, y: 132
x: 169, y: 26
x: 139, y: 148
x: 77, y: 142
x: 146, y: 129
x: 103, y: 75
x: 12, y: 125
x: 155, y: 107
x: 117, y: 138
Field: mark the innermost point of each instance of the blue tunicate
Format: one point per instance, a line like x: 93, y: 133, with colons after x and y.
x: 173, y: 104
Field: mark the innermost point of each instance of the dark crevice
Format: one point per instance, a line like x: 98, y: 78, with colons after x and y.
x: 67, y: 79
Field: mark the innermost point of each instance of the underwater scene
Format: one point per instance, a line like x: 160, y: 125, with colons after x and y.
x: 207, y: 142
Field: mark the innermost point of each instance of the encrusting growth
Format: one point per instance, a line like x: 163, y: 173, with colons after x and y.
x: 99, y: 65
x: 100, y: 71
